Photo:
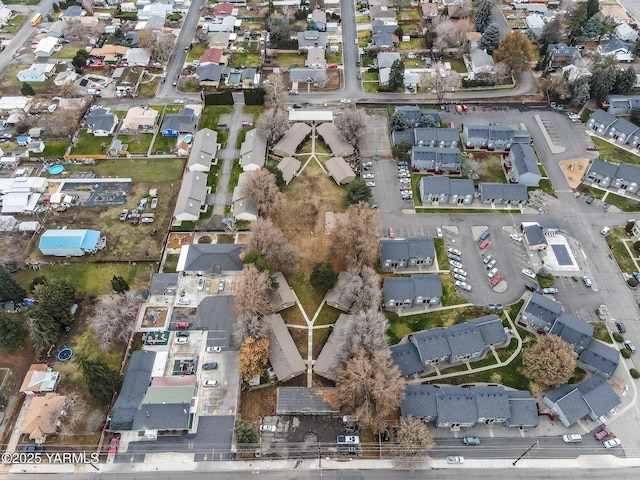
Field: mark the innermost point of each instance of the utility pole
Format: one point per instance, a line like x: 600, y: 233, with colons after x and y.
x: 319, y: 459
x: 524, y: 453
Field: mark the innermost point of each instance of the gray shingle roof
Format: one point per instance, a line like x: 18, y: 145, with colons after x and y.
x: 309, y: 75
x: 414, y: 113
x: 184, y: 121
x: 136, y: 380
x: 420, y: 285
x: 312, y: 38
x: 601, y: 117
x: 629, y: 173
x: 523, y: 410
x: 170, y: 416
x: 420, y: 401
x: 534, y: 235
x: 599, y: 395
x: 101, y: 119
x: 512, y: 192
x: 326, y: 361
x: 379, y: 26
x: 573, y: 330
x: 445, y: 185
x: 541, y: 311
x: 211, y: 72
x: 604, y: 169
x: 398, y: 136
x: 456, y: 405
x: 386, y: 59
x: 600, y: 358
x: 406, y: 356
x: 625, y: 126
x: 163, y: 283
x: 213, y: 258
x: 432, y: 134
x: 492, y: 401
x: 283, y: 353
x: 524, y: 159
x: 406, y: 248
x: 305, y: 401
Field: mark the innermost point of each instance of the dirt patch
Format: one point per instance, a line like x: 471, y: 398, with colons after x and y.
x: 573, y: 170
x: 257, y: 403
x: 176, y: 240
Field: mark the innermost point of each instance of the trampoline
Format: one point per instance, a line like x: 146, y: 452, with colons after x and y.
x: 56, y: 169
x: 65, y: 354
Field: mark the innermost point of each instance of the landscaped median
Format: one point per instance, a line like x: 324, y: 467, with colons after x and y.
x: 616, y: 240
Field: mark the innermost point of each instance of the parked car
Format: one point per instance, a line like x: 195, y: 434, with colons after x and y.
x: 182, y: 333
x: 392, y: 234
x: 210, y: 366
x: 590, y: 200
x: 614, y: 442
x: 484, y: 244
x: 456, y: 258
x: 463, y: 285
x: 455, y: 251
x: 487, y: 259
x: 460, y: 278
x: 491, y: 264
x: 592, y: 148
x: 587, y: 281
x: 371, y: 183
x: 210, y: 383
x: 572, y: 438
x: 471, y: 441
x: 200, y: 283
x: 247, y: 124
x: 214, y: 349
x: 484, y: 235
x: 439, y: 232
x: 516, y: 237
x: 368, y: 176
x: 405, y: 180
x: 629, y: 346
x: 268, y: 428
x: 221, y: 285
x: 492, y: 273
x: 459, y: 271
x: 533, y: 287
x: 455, y: 460
x: 464, y: 108
x: 182, y: 340
x: 455, y: 264
x: 550, y: 291
x: 602, y: 434
x: 621, y: 328
x: 182, y: 325
x: 459, y: 108
x: 124, y: 214
x: 496, y: 280
x: 528, y: 273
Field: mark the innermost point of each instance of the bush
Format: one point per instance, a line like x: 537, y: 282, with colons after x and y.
x: 632, y: 282
x: 636, y: 246
x: 618, y: 337
x: 625, y: 353
x: 546, y: 282
x: 634, y: 373
x: 629, y: 226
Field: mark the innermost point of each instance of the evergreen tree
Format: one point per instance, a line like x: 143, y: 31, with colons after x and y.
x: 483, y: 15
x: 245, y: 432
x: 9, y: 288
x: 55, y: 299
x: 592, y: 29
x: 357, y: 191
x: 398, y: 121
x: 101, y: 380
x: 635, y: 116
x: 280, y: 182
x: 490, y: 39
x: 119, y: 284
x: 396, y: 75
x: 551, y: 32
x: 625, y: 81
x: 427, y: 121
x: 323, y: 276
x: 27, y: 89
x: 592, y: 8
x: 575, y: 21
x: 12, y: 332
x: 580, y: 93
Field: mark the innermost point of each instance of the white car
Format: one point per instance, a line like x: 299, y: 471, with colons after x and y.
x: 368, y: 176
x: 463, y: 285
x: 182, y: 340
x: 550, y: 291
x: 528, y: 273
x: 455, y: 460
x: 491, y: 264
x: 572, y: 438
x: 460, y: 278
x: 210, y: 383
x: 492, y: 273
x: 214, y: 349
x: 439, y: 232
x: 614, y: 442
x: 455, y: 264
x: 516, y: 237
x: 184, y: 301
x: 460, y: 271
x: 455, y: 251
x: 371, y: 183
x: 405, y: 180
x: 268, y: 428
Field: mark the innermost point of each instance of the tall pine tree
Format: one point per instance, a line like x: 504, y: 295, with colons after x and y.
x: 9, y: 288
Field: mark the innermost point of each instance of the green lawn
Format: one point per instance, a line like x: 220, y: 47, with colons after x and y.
x: 546, y: 186
x: 309, y: 296
x: 92, y: 277
x: 327, y: 316
x: 244, y: 59
x: 213, y: 177
x: 614, y: 240
x: 400, y: 327
x: 138, y: 144
x: 285, y: 60
x: 410, y: 14
x: 450, y: 296
x: 148, y: 88
x: 601, y: 333
x: 242, y: 134
x: 412, y: 44
x: 197, y: 50
x: 441, y: 253
x: 492, y: 171
x: 335, y: 58
x: 171, y: 263
x: 89, y: 145
x: 163, y: 145
x: 623, y: 203
x: 235, y: 174
x: 211, y: 116
x: 14, y: 25
x: 614, y: 154
x: 514, y: 309
x: 138, y: 169
x: 52, y: 149
x: 67, y: 51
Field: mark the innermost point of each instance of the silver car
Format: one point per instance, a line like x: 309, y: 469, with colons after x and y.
x: 491, y: 264
x: 460, y: 278
x: 492, y: 273
x: 455, y: 264
x: 459, y: 271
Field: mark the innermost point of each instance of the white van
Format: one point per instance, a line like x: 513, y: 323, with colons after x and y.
x: 605, y: 231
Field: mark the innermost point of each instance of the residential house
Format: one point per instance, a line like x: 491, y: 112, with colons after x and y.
x: 318, y: 18
x: 411, y: 253
x: 39, y: 380
x: 460, y: 343
x: 36, y: 147
x: 154, y: 22
x: 429, y: 11
x: 42, y: 417
x: 416, y: 291
x: 600, y: 122
x: 386, y: 59
x: 313, y: 76
x: 46, y: 47
x: 310, y: 39
x: 184, y: 121
x: 316, y: 57
x: 155, y: 10
x: 457, y: 12
x: 282, y: 297
x: 599, y: 358
x: 626, y: 33
x: 535, y: 237
x: 327, y: 364
x: 487, y: 137
x: 69, y: 242
x: 20, y: 194
x: 536, y: 23
x: 338, y: 297
x: 291, y: 140
x: 385, y: 42
x: 37, y: 72
x: 306, y: 401
x: 5, y: 15
x: 503, y: 194
x: 443, y: 190
x: 573, y: 330
x: 616, y: 12
x: 138, y: 57
x: 110, y: 54
x: 435, y: 159
x: 221, y: 10
x: 573, y: 73
x: 332, y: 137
x: 284, y: 356
x: 540, y: 312
x: 524, y: 165
x: 211, y: 74
x: 253, y: 151
x: 74, y: 12
x: 624, y: 132
x: 192, y: 198
x: 560, y: 55
x: 436, y: 137
x: 289, y: 166
x: 210, y: 259
x: 478, y: 62
x: 203, y: 150
x: 228, y: 24
x: 382, y: 12
x: 622, y: 104
x: 139, y: 120
x: 250, y: 77
x: 213, y: 55
x: 455, y: 406
x: 57, y: 29
x: 623, y: 51
x: 591, y: 398
x: 340, y: 170
x: 219, y: 40
x: 243, y: 207
x: 382, y: 26
x: 624, y: 177
x: 100, y: 122
x: 9, y: 104
x: 65, y: 77
x: 415, y: 115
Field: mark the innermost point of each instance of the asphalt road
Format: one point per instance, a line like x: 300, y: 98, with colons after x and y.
x: 633, y: 8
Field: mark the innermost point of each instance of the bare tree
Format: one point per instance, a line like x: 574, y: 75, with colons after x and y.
x: 114, y: 318
x: 550, y: 361
x: 355, y: 235
x: 366, y: 330
x: 452, y: 34
x: 88, y: 6
x: 248, y: 325
x: 414, y: 437
x: 273, y: 123
x: 443, y: 85
x: 76, y: 411
x: 473, y: 167
x: 260, y: 186
x: 69, y: 90
x: 252, y: 289
x: 371, y: 387
x: 351, y: 124
x: 62, y: 123
x: 267, y: 239
x: 159, y: 44
x: 275, y: 92
x: 76, y: 30
x: 254, y: 354
x: 361, y: 286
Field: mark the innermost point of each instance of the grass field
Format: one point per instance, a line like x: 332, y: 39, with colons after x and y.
x: 148, y: 87
x: 138, y: 169
x: 244, y: 59
x: 68, y: 51
x: 163, y: 145
x: 52, y: 149
x: 619, y: 251
x: 614, y: 154
x: 87, y: 144
x: 138, y: 144
x: 14, y: 25
x: 327, y: 316
x: 235, y: 174
x: 284, y: 60
x: 623, y: 203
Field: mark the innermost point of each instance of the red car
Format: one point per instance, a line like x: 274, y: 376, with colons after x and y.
x: 484, y: 244
x: 332, y: 65
x: 405, y: 187
x: 182, y: 325
x: 602, y: 434
x: 465, y: 108
x: 592, y: 148
x: 392, y: 234
x: 496, y: 280
x: 113, y: 446
x: 247, y: 124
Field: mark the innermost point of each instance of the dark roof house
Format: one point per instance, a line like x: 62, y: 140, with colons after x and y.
x: 210, y: 259
x: 541, y: 312
x: 416, y: 291
x: 184, y: 121
x: 306, y: 401
x: 326, y: 363
x: 599, y: 358
x: 573, y: 330
x: 134, y: 386
x: 283, y: 353
x: 524, y: 165
x: 411, y: 253
x: 503, y: 193
x: 444, y: 190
